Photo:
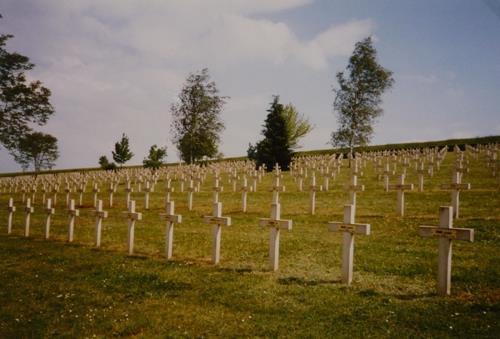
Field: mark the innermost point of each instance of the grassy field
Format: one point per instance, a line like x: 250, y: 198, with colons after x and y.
x: 52, y: 288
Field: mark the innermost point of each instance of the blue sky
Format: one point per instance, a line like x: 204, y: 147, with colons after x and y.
x: 116, y: 66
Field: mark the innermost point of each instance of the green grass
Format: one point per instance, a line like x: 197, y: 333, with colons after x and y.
x: 52, y: 288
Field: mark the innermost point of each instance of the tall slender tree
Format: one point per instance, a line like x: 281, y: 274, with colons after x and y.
x: 196, y: 124
x: 358, y: 98
x: 22, y: 102
x: 297, y: 125
x: 275, y: 147
x: 122, y: 152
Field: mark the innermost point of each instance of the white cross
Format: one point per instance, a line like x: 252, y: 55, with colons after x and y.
x: 132, y: 216
x: 313, y: 188
x: 28, y: 210
x: 95, y: 191
x: 128, y: 190
x: 49, y: 210
x: 72, y: 214
x: 99, y: 215
x: 446, y: 233
x: 171, y: 218
x: 244, y: 191
x: 349, y: 229
x: 276, y: 224
x: 218, y: 221
x: 401, y: 187
x: 456, y: 186
x: 147, y: 190
x: 11, y: 209
x: 190, y: 190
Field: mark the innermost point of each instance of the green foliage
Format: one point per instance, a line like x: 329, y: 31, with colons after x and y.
x: 21, y: 102
x: 105, y: 164
x: 275, y: 147
x: 297, y: 125
x: 155, y: 157
x: 122, y: 152
x: 37, y: 149
x: 358, y: 98
x: 196, y: 121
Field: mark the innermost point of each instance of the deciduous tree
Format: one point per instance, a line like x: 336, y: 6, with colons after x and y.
x: 122, y: 152
x: 358, y: 98
x: 155, y: 157
x: 196, y: 124
x: 37, y: 149
x: 22, y: 102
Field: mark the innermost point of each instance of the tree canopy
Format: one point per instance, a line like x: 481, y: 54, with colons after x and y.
x: 21, y: 102
x: 296, y: 124
x: 196, y: 124
x: 37, y: 149
x: 358, y: 98
x: 122, y: 152
x: 275, y: 147
x: 155, y: 157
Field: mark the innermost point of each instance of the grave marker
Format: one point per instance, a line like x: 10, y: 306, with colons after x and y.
x: 132, y: 216
x: 10, y: 209
x: 218, y: 221
x: 446, y: 234
x: 171, y: 218
x: 349, y: 228
x: 28, y: 210
x: 49, y: 211
x: 401, y: 187
x: 456, y: 186
x: 100, y: 214
x: 72, y: 214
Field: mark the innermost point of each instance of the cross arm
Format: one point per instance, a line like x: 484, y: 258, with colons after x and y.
x: 466, y: 234
x: 225, y: 221
x: 364, y: 229
x: 175, y: 218
x: 283, y: 224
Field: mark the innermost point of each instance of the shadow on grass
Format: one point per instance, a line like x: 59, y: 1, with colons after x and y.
x: 306, y: 282
x: 241, y: 270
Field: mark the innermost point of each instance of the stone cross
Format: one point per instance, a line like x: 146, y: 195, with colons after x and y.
x: 80, y: 191
x: 401, y: 187
x: 456, y: 186
x: 349, y: 228
x: 255, y: 177
x: 171, y: 218
x: 132, y: 216
x: 216, y: 190
x: 67, y: 190
x: 276, y: 188
x: 446, y: 234
x: 28, y: 210
x: 147, y: 190
x: 190, y: 191
x: 49, y: 211
x: 168, y: 190
x: 276, y: 224
x: 55, y: 190
x: 99, y: 215
x: 300, y: 179
x: 33, y: 194
x: 10, y: 209
x: 421, y: 172
x: 72, y: 214
x: 353, y: 188
x: 44, y: 193
x: 218, y: 221
x: 313, y: 188
x: 128, y: 191
x: 111, y: 191
x: 244, y: 191
x: 387, y: 171
x: 95, y: 191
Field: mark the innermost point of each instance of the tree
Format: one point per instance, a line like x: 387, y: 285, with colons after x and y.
x: 37, y: 149
x: 21, y: 102
x: 358, y: 98
x: 155, y: 157
x: 297, y: 125
x: 275, y: 147
x: 122, y: 152
x: 105, y: 164
x: 196, y: 124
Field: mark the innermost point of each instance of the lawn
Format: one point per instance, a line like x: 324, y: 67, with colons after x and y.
x: 54, y: 288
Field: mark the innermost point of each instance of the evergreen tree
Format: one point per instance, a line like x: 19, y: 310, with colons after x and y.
x: 155, y: 157
x: 122, y: 152
x: 196, y: 124
x: 105, y: 164
x: 358, y: 98
x: 275, y: 147
x: 22, y: 103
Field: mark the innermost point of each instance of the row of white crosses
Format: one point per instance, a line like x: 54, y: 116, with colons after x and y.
x: 445, y: 231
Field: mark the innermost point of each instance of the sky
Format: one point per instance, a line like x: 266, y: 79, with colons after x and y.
x: 116, y: 66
